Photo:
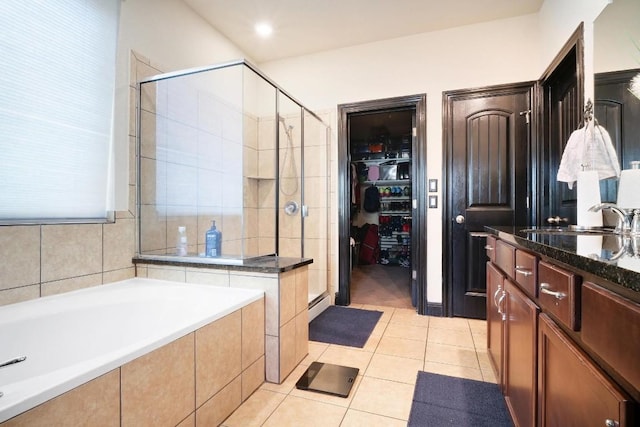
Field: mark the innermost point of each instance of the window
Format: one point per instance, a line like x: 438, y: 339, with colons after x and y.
x: 57, y: 81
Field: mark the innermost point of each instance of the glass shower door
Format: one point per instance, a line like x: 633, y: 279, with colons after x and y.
x: 315, y: 227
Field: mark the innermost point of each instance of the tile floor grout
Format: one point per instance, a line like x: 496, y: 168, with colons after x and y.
x: 381, y: 394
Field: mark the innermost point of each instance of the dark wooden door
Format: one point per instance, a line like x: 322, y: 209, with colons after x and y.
x: 487, y: 141
x: 561, y: 112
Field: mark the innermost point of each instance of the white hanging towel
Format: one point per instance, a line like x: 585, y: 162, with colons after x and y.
x: 588, y: 148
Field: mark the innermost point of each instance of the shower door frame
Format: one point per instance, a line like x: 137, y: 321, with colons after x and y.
x: 418, y: 173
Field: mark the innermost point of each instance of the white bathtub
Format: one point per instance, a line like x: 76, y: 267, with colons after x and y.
x: 71, y: 338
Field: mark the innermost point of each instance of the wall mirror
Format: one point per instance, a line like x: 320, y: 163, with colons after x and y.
x: 616, y: 61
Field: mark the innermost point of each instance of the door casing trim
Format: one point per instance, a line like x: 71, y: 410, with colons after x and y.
x: 419, y: 173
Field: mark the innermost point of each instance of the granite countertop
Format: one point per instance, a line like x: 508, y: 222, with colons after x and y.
x: 609, y: 256
x: 262, y: 264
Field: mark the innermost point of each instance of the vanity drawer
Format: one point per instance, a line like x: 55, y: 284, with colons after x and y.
x: 505, y: 257
x: 611, y: 328
x: 559, y: 294
x: 526, y: 271
x: 490, y: 248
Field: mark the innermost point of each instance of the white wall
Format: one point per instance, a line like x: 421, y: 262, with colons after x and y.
x: 170, y: 34
x: 478, y: 55
x: 505, y: 51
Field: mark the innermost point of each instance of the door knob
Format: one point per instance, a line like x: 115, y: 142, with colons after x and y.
x: 460, y: 219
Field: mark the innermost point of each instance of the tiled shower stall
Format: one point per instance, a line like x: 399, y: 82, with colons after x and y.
x: 225, y: 144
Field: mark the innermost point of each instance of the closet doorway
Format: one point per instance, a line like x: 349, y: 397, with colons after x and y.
x: 381, y: 220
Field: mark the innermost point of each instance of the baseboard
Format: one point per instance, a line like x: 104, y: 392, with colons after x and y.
x: 318, y: 307
x: 434, y: 309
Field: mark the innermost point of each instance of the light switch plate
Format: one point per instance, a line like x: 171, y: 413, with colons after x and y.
x: 433, y: 185
x: 433, y: 202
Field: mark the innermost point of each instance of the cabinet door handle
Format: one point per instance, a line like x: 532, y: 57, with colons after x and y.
x: 489, y: 247
x: 545, y: 288
x: 523, y: 270
x: 611, y: 423
x: 495, y: 295
x: 500, y: 311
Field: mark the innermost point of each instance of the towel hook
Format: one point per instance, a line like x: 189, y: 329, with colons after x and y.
x: 588, y: 111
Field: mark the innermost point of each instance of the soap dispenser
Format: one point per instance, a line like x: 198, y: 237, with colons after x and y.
x: 629, y: 187
x: 213, y: 241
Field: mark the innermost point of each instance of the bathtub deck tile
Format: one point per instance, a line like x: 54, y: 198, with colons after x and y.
x: 252, y: 332
x: 218, y: 355
x: 157, y: 388
x: 220, y: 406
x: 96, y: 402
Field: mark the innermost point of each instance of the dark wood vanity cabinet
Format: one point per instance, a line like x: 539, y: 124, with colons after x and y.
x: 544, y: 357
x: 520, y: 355
x: 572, y: 390
x: 495, y: 322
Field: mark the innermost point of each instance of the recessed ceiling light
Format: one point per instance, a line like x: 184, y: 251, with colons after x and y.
x: 264, y: 29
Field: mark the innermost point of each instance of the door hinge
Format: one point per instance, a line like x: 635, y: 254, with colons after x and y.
x: 414, y: 132
x: 414, y: 274
x: 527, y: 202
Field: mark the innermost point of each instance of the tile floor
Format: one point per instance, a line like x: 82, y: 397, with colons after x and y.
x: 401, y: 344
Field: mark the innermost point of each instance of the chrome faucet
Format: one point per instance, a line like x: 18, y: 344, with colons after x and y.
x: 624, y: 221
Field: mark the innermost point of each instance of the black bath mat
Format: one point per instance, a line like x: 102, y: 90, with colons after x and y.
x: 440, y: 400
x: 343, y: 326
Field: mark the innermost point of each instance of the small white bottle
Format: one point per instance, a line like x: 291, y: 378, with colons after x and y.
x: 181, y: 241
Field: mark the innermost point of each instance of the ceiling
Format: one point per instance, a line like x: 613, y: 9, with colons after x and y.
x: 303, y: 27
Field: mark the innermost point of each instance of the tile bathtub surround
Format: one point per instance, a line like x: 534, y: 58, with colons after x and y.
x: 190, y: 381
x: 401, y: 344
x: 286, y: 331
x: 40, y: 260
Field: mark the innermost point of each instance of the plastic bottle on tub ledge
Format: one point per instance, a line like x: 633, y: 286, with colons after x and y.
x: 181, y: 241
x: 213, y: 242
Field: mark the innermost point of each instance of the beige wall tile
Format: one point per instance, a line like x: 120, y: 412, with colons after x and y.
x: 190, y: 421
x: 23, y: 293
x: 153, y: 229
x: 148, y: 135
x: 302, y: 289
x: 117, y: 275
x: 177, y: 274
x: 95, y: 403
x: 118, y: 244
x: 218, y: 355
x: 252, y: 333
x: 287, y: 296
x: 71, y: 250
x: 267, y: 283
x: 66, y: 285
x: 146, y: 400
x: 20, y: 254
x: 219, y: 407
x: 272, y: 365
x: 252, y: 378
x: 289, y: 247
x: 302, y: 336
x: 208, y: 276
x: 287, y: 348
x: 132, y: 162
